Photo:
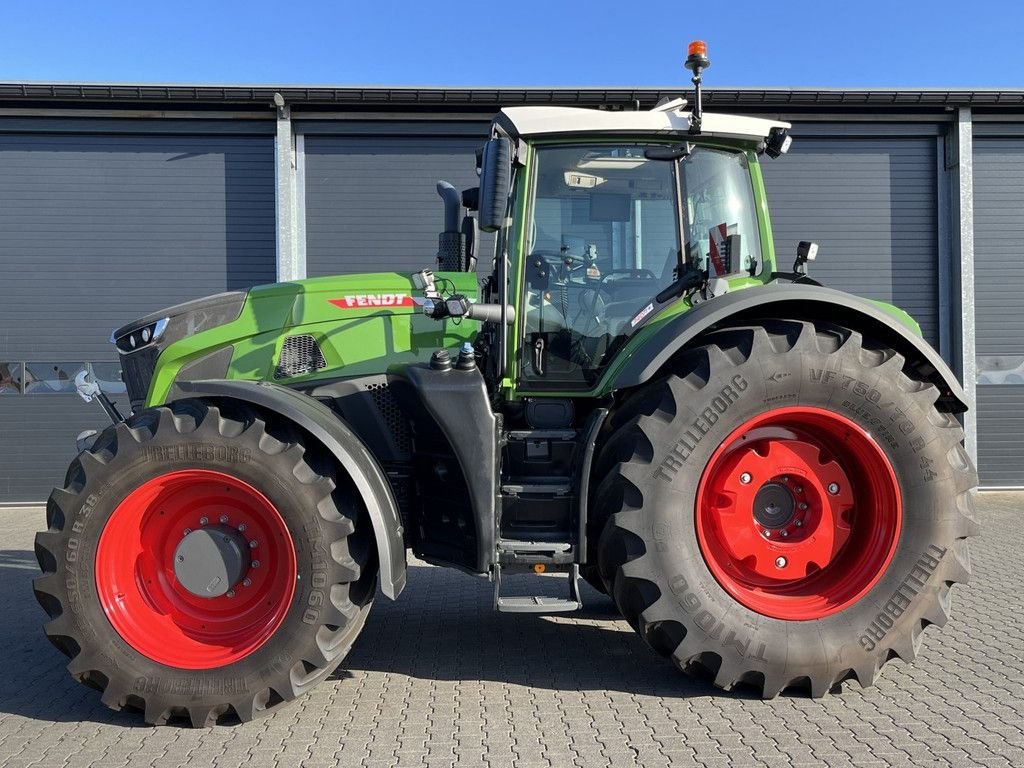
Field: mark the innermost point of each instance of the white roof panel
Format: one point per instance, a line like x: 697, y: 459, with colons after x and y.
x: 541, y: 121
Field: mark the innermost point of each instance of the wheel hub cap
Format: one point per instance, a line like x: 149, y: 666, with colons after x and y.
x: 211, y: 561
x: 774, y: 505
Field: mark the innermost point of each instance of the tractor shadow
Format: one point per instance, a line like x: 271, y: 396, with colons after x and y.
x: 444, y: 627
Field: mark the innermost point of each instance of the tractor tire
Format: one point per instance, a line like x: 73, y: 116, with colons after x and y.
x: 791, y: 512
x: 614, y: 446
x: 161, y: 623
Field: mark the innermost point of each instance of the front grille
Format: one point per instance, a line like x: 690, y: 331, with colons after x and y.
x: 137, y: 372
x: 299, y: 355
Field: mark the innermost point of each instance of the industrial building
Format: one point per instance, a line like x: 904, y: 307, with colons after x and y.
x: 117, y: 200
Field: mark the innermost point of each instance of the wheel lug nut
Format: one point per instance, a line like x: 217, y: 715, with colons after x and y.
x: 241, y: 527
x: 231, y: 593
x: 780, y: 562
x: 181, y: 558
x: 255, y: 563
x: 833, y: 488
x: 798, y: 523
x: 799, y: 489
x: 745, y: 478
x: 784, y: 533
x: 223, y: 519
x: 204, y: 521
x: 253, y: 544
x: 802, y: 505
x: 188, y: 531
x: 247, y: 583
x: 767, y: 534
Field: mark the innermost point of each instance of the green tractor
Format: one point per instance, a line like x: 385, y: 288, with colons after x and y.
x: 765, y: 475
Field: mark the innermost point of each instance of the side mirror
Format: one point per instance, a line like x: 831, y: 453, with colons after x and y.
x: 495, y: 184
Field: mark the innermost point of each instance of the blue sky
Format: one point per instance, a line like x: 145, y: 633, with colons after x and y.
x: 631, y: 42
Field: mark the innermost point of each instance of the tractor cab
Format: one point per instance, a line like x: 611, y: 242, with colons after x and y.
x: 604, y: 221
x: 607, y: 229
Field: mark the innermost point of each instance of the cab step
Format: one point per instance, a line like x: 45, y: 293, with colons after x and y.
x: 553, y: 487
x: 539, y: 603
x: 519, y: 552
x: 533, y: 547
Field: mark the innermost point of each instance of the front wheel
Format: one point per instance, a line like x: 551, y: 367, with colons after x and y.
x: 790, y: 509
x: 203, y: 563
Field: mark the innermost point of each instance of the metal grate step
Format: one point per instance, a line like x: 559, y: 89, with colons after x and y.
x: 539, y: 604
x: 536, y: 605
x: 533, y: 547
x: 553, y: 488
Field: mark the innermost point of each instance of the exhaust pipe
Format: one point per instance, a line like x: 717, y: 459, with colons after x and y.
x: 452, y: 200
x: 451, y: 243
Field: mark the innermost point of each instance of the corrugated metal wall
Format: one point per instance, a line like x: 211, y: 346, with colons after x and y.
x: 870, y: 203
x: 999, y: 288
x: 96, y: 230
x: 371, y: 202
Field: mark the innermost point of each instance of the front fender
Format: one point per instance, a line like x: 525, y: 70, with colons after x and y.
x: 324, y: 425
x: 802, y: 302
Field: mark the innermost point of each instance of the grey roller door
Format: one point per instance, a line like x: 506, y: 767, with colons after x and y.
x: 870, y: 203
x: 96, y: 230
x: 371, y: 203
x: 999, y: 286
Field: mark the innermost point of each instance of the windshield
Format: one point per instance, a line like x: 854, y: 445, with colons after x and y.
x: 604, y: 238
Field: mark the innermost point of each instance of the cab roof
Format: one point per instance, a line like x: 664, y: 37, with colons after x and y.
x: 668, y: 120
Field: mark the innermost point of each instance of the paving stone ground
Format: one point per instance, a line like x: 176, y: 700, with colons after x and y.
x: 439, y: 679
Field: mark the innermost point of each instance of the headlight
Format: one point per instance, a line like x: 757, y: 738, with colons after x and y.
x: 139, y: 337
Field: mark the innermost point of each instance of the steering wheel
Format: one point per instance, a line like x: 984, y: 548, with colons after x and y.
x: 559, y: 265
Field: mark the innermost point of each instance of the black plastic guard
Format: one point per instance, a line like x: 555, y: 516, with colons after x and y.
x: 458, y: 401
x: 324, y: 425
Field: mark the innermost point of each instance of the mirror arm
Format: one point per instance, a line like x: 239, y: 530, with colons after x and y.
x: 690, y: 278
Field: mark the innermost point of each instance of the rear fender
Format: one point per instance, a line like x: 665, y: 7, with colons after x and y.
x: 324, y: 425
x: 801, y: 302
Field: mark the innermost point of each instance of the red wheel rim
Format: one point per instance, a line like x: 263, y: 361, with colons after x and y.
x: 798, y: 513
x: 141, y: 595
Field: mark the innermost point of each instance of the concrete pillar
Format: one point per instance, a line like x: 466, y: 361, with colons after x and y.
x: 963, y: 270
x: 289, y: 197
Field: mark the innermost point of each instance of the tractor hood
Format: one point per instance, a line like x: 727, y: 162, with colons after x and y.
x: 294, y: 332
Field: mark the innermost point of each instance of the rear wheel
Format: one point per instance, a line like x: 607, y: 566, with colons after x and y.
x: 788, y: 508
x: 203, y: 563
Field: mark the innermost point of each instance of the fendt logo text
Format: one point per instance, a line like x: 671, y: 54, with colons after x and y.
x: 360, y: 300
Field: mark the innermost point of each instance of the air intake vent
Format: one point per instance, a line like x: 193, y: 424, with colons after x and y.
x: 396, y: 420
x: 299, y: 355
